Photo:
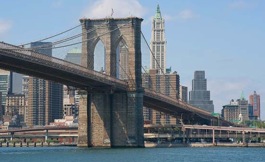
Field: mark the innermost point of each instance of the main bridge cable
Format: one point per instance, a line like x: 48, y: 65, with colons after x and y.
x: 148, y: 76
x: 23, y: 49
x: 157, y: 61
x: 86, y: 39
x: 52, y: 35
x: 90, y: 38
x: 69, y: 38
x: 72, y: 37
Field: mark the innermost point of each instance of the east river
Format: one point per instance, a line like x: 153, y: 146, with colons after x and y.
x: 185, y: 154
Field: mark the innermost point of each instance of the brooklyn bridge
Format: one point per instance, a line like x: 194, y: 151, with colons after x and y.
x: 111, y: 105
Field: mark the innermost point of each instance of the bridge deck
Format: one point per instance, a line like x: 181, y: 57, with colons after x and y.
x: 32, y: 63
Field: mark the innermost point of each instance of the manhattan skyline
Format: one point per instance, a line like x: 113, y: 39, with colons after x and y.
x: 223, y: 38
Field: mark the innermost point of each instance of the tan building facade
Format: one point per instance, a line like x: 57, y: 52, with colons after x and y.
x: 167, y: 84
x: 231, y: 113
x: 237, y: 111
x: 15, y: 106
x: 183, y: 93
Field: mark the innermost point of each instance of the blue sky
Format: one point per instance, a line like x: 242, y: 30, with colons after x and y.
x: 225, y: 38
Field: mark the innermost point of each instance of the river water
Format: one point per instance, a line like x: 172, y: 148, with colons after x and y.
x: 185, y: 154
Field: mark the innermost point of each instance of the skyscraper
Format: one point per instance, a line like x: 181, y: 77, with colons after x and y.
x: 1, y: 108
x: 199, y: 96
x: 71, y: 97
x: 16, y: 83
x: 74, y: 56
x: 45, y: 98
x: 158, y: 43
x: 183, y: 93
x: 15, y: 107
x: 254, y: 100
x: 167, y: 84
x: 5, y: 86
x: 231, y: 112
x: 243, y: 109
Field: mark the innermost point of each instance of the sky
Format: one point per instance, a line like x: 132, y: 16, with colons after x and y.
x: 224, y: 38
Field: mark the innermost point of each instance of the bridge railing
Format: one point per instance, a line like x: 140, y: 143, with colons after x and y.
x: 63, y: 64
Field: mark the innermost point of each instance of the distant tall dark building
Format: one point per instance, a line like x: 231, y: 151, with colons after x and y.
x: 16, y: 83
x: 254, y: 100
x: 199, y: 96
x: 45, y: 98
x: 250, y: 113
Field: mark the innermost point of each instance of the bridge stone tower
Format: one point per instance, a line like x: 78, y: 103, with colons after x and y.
x: 111, y: 117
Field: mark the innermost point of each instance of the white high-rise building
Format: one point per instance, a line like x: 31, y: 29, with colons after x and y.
x: 158, y: 43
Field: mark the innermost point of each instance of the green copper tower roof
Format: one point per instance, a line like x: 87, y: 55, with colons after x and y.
x: 158, y: 13
x: 242, y: 96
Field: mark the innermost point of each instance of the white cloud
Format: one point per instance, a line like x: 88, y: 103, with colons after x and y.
x: 4, y: 26
x: 121, y: 8
x: 187, y: 14
x: 168, y: 17
x: 240, y: 4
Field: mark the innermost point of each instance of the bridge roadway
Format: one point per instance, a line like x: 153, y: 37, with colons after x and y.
x: 28, y: 62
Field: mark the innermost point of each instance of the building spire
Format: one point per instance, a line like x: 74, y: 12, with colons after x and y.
x: 158, y: 13
x: 242, y: 96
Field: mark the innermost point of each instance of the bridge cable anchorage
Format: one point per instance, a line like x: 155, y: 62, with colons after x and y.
x: 52, y: 35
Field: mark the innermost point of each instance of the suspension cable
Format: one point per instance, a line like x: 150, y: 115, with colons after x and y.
x: 67, y: 39
x: 71, y: 43
x: 52, y: 36
x: 185, y: 104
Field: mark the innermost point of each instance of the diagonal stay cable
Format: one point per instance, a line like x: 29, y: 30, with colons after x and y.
x: 157, y: 61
